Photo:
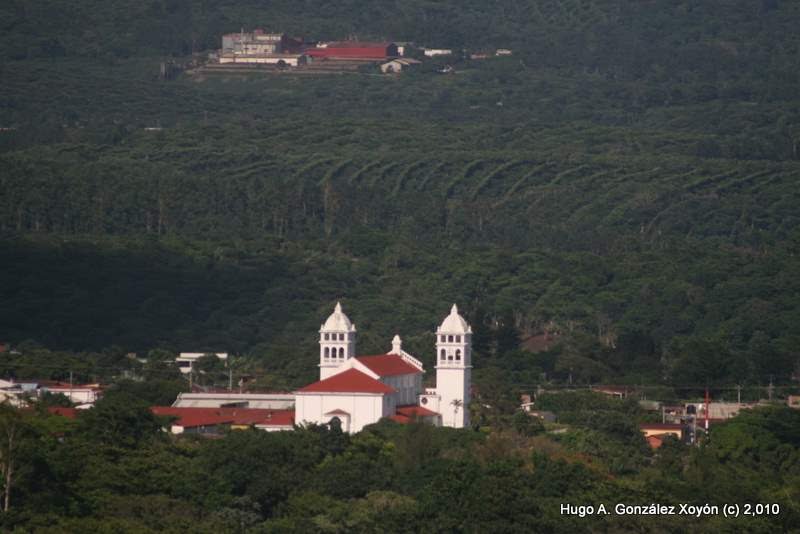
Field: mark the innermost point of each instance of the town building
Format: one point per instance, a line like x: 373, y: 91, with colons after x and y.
x: 84, y: 395
x: 260, y: 47
x: 655, y: 433
x: 186, y: 360
x: 716, y: 410
x: 259, y: 42
x: 215, y: 420
x: 279, y: 60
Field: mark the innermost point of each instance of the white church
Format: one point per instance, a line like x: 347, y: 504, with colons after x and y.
x: 360, y: 390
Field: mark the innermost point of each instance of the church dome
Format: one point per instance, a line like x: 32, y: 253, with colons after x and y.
x: 338, y: 321
x: 454, y: 323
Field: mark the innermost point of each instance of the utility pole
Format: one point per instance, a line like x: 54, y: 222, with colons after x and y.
x: 191, y: 382
x: 70, y: 386
x: 707, y: 400
x: 738, y: 393
x: 770, y: 388
x: 230, y: 379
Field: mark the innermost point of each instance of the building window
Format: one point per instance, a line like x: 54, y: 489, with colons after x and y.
x: 341, y: 337
x: 449, y: 339
x: 341, y: 352
x: 458, y: 355
x: 458, y: 339
x: 442, y: 338
x: 327, y: 352
x: 442, y: 354
x: 450, y: 358
x: 327, y: 336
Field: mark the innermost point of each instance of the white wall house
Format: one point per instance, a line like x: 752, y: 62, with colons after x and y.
x: 82, y: 394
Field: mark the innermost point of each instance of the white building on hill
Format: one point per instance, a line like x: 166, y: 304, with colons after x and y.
x: 360, y: 390
x: 186, y: 360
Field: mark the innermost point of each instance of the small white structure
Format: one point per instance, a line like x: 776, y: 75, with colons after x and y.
x: 503, y: 52
x: 279, y: 60
x: 433, y: 52
x: 186, y: 360
x: 397, y: 65
x: 273, y: 401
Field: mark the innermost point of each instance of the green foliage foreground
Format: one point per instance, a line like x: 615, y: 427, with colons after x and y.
x: 114, y: 471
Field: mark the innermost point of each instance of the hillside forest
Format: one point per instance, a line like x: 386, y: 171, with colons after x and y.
x: 616, y: 202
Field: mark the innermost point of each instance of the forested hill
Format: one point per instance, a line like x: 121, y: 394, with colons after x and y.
x: 625, y: 181
x: 623, y: 36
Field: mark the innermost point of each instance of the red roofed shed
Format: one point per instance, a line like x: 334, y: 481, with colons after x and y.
x: 355, y: 50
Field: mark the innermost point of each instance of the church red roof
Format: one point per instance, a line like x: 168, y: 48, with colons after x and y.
x: 350, y: 381
x: 388, y: 365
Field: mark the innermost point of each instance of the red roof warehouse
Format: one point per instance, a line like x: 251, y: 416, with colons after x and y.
x: 354, y: 50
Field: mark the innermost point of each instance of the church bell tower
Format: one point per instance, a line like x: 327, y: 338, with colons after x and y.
x: 337, y: 342
x: 454, y: 369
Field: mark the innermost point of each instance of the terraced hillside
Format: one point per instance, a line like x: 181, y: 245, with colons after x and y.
x: 626, y: 180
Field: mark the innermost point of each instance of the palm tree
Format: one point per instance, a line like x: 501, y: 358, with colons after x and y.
x: 457, y: 403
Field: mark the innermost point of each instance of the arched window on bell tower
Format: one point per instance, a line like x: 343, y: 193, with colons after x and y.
x: 337, y: 341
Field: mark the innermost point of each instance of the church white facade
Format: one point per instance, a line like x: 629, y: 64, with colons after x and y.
x: 361, y: 390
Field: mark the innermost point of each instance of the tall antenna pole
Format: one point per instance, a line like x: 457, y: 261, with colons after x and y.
x: 706, y: 409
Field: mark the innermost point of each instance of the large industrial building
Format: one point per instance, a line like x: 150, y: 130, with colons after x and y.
x: 354, y: 50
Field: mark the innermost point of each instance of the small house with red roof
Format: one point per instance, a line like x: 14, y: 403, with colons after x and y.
x: 214, y: 420
x: 361, y: 390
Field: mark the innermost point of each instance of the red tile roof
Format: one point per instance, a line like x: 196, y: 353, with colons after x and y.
x: 419, y: 411
x: 194, y: 417
x: 406, y: 414
x: 350, y: 381
x: 388, y: 365
x: 656, y: 440
x: 69, y: 413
